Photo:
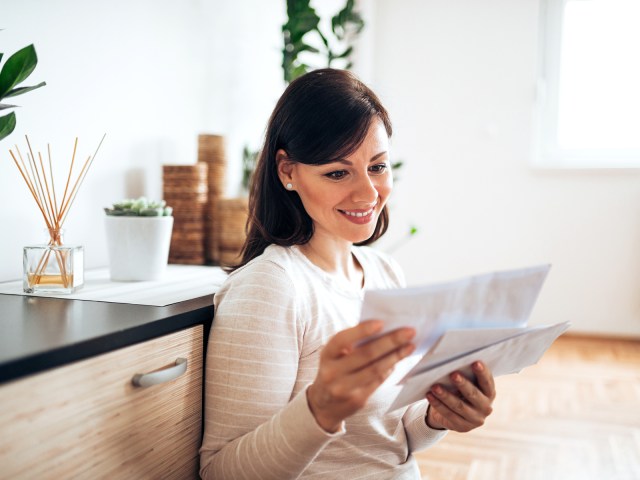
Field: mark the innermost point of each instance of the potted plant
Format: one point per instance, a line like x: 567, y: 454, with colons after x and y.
x: 138, y: 239
x: 16, y: 69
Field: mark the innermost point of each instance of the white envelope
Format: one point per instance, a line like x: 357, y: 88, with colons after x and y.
x: 453, y: 342
x: 507, y: 355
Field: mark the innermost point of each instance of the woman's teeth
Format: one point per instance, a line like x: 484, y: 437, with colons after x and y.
x: 357, y: 214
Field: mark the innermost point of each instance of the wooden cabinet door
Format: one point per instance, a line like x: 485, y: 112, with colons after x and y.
x: 87, y: 419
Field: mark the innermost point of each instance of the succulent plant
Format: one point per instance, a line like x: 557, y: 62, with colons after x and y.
x: 139, y: 208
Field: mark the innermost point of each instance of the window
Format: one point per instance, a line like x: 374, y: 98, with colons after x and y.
x: 588, y: 102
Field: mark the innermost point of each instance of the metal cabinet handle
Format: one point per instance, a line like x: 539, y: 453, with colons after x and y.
x: 161, y: 376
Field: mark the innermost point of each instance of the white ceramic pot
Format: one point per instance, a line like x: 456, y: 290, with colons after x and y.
x: 138, y: 247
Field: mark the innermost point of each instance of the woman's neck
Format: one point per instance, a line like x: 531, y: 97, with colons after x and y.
x: 336, y: 259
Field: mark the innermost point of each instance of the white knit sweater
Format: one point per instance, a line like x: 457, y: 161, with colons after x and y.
x: 272, y: 318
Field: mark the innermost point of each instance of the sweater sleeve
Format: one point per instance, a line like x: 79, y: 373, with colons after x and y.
x: 419, y: 434
x: 253, y: 426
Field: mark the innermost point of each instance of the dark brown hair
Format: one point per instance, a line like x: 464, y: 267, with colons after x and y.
x: 321, y: 117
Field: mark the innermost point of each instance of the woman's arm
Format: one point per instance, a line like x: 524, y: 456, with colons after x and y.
x: 253, y: 426
x: 419, y: 435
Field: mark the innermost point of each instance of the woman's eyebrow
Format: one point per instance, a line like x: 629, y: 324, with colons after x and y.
x: 350, y: 163
x: 377, y: 156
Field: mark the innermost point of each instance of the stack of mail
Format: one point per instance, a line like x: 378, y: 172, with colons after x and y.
x: 482, y: 317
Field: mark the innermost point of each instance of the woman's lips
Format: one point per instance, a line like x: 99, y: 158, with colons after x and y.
x: 359, y: 217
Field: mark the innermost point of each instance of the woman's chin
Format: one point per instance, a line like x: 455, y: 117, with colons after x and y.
x: 362, y: 236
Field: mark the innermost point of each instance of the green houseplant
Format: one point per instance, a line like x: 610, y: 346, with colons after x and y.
x: 302, y: 22
x: 15, y: 71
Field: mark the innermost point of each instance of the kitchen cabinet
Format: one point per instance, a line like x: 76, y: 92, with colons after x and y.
x: 86, y: 419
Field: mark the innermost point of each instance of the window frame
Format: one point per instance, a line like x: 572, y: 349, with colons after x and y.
x: 546, y: 152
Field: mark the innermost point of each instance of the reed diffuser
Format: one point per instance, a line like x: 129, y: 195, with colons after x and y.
x: 52, y: 267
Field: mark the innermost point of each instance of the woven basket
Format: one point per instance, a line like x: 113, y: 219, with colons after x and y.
x: 212, y: 151
x: 185, y: 190
x: 229, y: 227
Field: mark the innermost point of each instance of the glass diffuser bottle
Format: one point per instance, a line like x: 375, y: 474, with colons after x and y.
x: 53, y: 267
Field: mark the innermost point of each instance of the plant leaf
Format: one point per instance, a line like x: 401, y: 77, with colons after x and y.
x: 303, y: 47
x: 4, y: 106
x: 290, y: 62
x: 7, y: 124
x: 21, y: 90
x: 301, y: 19
x: 299, y: 70
x: 344, y: 54
x: 322, y: 37
x: 17, y: 69
x: 343, y: 18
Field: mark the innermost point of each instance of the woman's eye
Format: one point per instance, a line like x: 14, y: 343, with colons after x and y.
x: 380, y: 168
x: 337, y: 175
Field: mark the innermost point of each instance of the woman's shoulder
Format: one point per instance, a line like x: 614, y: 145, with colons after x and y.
x: 275, y: 261
x: 265, y: 278
x: 382, y: 265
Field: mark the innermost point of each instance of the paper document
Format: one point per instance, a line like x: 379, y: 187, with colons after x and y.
x: 509, y: 355
x: 498, y: 299
x: 482, y: 317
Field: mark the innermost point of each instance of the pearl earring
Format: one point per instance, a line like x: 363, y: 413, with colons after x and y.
x: 289, y: 186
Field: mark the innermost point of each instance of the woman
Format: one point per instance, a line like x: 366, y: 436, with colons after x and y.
x: 291, y: 389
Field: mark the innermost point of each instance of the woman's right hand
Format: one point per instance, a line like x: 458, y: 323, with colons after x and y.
x: 349, y: 373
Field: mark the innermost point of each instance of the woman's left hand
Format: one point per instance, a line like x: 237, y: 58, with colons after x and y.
x: 465, y: 409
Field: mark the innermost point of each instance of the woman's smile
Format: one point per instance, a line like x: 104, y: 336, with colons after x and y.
x: 360, y: 216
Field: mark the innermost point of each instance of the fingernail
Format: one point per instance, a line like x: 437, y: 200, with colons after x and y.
x: 437, y: 390
x: 406, y: 334
x: 408, y: 350
x: 478, y: 366
x: 456, y: 377
x: 374, y: 327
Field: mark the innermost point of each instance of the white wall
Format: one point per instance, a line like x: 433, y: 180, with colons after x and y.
x: 152, y: 74
x: 459, y: 79
x: 132, y: 70
x: 244, y: 77
x: 457, y: 76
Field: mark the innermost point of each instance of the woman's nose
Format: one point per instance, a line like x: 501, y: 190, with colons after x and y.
x: 365, y: 190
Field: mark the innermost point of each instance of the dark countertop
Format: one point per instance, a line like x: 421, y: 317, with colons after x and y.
x: 38, y: 333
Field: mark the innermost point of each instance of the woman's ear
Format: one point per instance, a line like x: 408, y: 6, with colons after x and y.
x: 285, y: 167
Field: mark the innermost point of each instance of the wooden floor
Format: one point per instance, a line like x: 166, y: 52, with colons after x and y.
x: 573, y: 416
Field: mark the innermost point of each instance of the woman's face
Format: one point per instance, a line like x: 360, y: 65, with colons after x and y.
x: 345, y: 198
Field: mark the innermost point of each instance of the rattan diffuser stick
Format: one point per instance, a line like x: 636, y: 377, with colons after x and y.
x: 41, y: 184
